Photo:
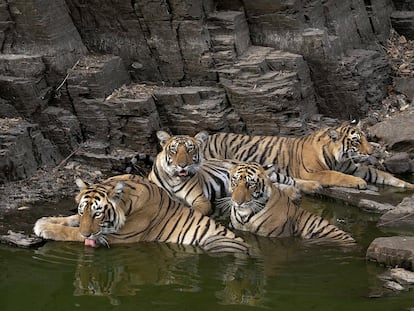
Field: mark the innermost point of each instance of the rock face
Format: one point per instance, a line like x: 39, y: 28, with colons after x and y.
x: 23, y: 148
x: 401, y: 217
x: 105, y: 75
x: 396, y: 135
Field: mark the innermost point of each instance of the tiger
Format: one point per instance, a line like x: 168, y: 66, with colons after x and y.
x: 181, y: 170
x: 327, y: 156
x: 258, y: 206
x: 129, y: 208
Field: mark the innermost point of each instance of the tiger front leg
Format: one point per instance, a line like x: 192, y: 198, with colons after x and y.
x: 334, y: 178
x: 308, y: 186
x: 203, y: 205
x: 58, y: 228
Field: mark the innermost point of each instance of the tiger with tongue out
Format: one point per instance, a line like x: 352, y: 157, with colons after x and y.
x: 176, y: 170
x: 129, y: 208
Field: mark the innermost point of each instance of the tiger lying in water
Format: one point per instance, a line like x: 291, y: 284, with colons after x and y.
x: 128, y: 208
x: 257, y: 206
x: 326, y: 156
x: 181, y: 170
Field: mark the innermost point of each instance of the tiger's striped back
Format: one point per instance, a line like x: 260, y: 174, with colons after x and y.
x: 288, y: 154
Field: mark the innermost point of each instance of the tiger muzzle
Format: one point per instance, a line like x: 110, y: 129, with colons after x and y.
x: 240, y: 195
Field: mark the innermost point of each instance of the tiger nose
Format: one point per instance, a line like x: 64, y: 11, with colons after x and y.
x: 182, y: 164
x: 86, y: 234
x: 239, y: 201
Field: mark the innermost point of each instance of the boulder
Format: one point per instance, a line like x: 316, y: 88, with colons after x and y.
x: 398, y: 163
x: 399, y: 218
x: 393, y: 251
x: 397, y: 279
x: 396, y: 133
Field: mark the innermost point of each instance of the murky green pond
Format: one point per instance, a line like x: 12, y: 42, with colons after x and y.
x: 288, y: 274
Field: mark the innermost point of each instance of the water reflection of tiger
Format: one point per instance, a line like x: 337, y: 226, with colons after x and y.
x: 258, y: 206
x: 129, y: 208
x: 131, y: 270
x: 326, y: 156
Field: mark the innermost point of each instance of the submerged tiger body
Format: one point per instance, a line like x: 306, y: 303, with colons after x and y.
x: 180, y: 169
x: 258, y: 206
x: 326, y: 156
x: 129, y: 208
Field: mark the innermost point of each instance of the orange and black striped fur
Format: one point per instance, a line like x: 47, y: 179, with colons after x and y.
x: 258, y: 206
x: 129, y: 208
x: 326, y: 156
x: 180, y: 169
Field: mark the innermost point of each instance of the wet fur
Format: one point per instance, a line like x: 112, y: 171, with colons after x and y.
x: 129, y: 208
x: 258, y: 206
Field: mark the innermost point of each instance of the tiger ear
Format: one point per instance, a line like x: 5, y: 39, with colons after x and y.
x: 163, y: 137
x: 81, y: 184
x: 333, y: 134
x: 201, y: 137
x: 118, y: 191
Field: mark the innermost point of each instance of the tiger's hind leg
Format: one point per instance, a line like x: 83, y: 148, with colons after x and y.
x: 58, y: 228
x: 334, y: 178
x: 376, y: 176
x: 315, y: 228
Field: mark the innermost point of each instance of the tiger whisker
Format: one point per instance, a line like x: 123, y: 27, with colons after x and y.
x: 224, y: 204
x: 103, y: 240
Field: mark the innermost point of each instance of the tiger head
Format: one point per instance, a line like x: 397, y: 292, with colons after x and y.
x: 99, y: 211
x: 348, y: 141
x: 181, y: 155
x: 250, y: 189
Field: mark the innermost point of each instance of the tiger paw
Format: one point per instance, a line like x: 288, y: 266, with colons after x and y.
x: 51, y: 229
x: 41, y: 228
x: 292, y: 192
x: 358, y: 183
x: 309, y: 186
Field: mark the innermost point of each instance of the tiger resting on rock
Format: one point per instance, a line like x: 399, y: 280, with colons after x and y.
x: 326, y: 156
x: 258, y: 206
x: 129, y: 208
x: 180, y: 169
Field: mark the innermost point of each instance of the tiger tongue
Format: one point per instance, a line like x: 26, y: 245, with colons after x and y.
x: 89, y: 242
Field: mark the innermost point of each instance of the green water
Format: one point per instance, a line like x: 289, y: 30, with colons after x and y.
x: 287, y: 274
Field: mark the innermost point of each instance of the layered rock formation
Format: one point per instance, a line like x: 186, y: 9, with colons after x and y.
x: 100, y: 77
